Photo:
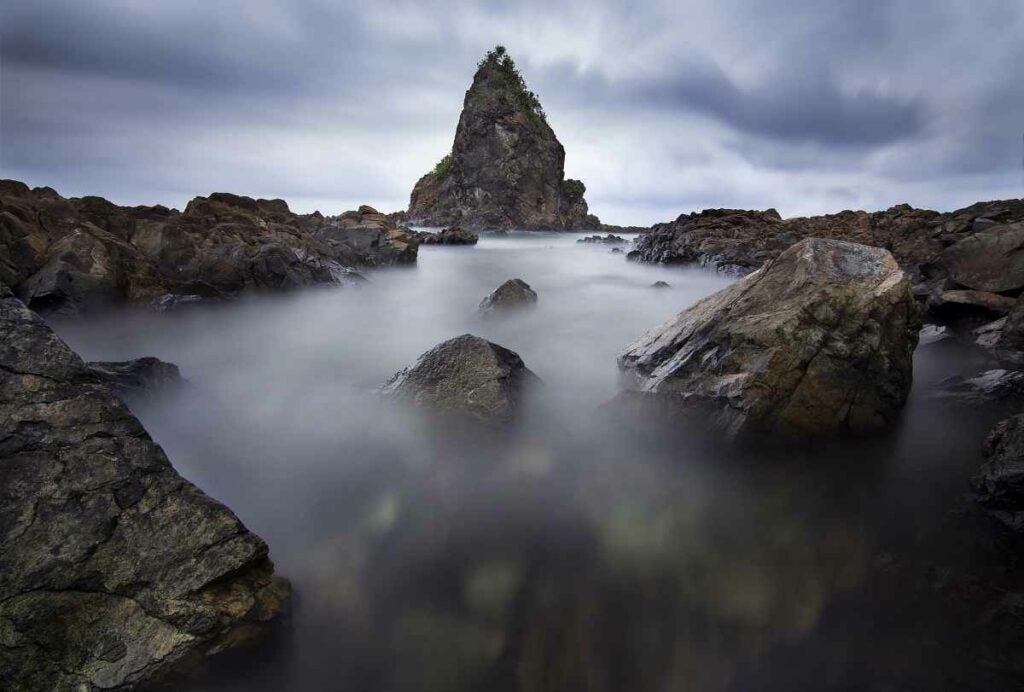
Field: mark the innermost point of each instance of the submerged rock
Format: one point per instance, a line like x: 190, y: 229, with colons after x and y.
x: 989, y: 387
x: 453, y: 235
x: 661, y: 284
x: 820, y: 340
x: 506, y: 168
x: 68, y: 255
x: 511, y: 295
x: 142, y: 377
x: 116, y: 571
x: 467, y: 376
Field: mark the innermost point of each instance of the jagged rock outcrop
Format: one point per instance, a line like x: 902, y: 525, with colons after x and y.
x: 820, y: 340
x: 514, y: 294
x: 115, y: 570
x: 466, y: 376
x: 75, y: 254
x: 454, y: 235
x: 506, y: 168
x: 139, y: 378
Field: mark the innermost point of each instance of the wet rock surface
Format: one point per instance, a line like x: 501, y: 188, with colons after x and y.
x: 139, y: 378
x: 506, y: 168
x: 999, y: 484
x: 819, y: 341
x: 514, y: 294
x: 454, y: 235
x: 67, y: 255
x: 466, y: 376
x: 116, y: 571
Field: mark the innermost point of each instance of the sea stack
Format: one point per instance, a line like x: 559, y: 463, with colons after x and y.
x: 506, y: 168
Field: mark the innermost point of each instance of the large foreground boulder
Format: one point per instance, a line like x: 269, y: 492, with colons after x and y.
x: 114, y: 570
x: 819, y: 340
x: 506, y: 168
x: 466, y: 376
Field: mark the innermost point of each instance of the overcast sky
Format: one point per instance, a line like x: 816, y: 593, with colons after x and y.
x: 808, y: 106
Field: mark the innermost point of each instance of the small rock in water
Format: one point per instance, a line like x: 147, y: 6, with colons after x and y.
x: 932, y: 333
x: 661, y: 284
x: 142, y: 377
x: 991, y: 386
x: 514, y: 293
x: 455, y: 235
x: 609, y: 239
x: 467, y: 376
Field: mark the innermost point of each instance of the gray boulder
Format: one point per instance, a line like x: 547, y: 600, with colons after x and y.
x: 115, y: 570
x: 820, y: 340
x: 511, y: 295
x: 466, y: 376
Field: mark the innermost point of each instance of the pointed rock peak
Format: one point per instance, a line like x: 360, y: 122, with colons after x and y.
x: 506, y: 168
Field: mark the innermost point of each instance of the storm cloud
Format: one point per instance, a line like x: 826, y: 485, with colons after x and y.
x: 800, y: 105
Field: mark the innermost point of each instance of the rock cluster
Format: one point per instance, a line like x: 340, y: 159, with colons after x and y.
x: 999, y: 484
x: 453, y: 235
x: 609, y: 239
x: 466, y: 376
x: 115, y: 571
x: 506, y: 168
x: 511, y: 295
x: 820, y: 340
x: 72, y: 254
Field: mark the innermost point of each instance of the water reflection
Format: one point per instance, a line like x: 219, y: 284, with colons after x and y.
x: 583, y: 550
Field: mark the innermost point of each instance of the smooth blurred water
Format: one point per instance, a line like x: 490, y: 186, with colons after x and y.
x: 582, y: 551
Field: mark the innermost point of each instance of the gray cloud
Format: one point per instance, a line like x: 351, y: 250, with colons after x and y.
x: 801, y: 105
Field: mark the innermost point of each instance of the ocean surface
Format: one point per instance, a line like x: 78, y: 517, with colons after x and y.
x: 582, y: 550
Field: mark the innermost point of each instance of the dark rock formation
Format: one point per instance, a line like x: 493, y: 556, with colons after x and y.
x: 999, y: 484
x: 506, y: 168
x: 453, y: 235
x: 511, y: 295
x: 467, y: 376
x: 820, y: 340
x: 609, y: 239
x: 142, y: 377
x: 115, y: 571
x: 990, y: 260
x: 990, y: 387
x: 71, y: 254
x: 661, y: 284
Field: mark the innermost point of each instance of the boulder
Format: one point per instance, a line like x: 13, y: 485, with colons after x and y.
x: 989, y: 260
x: 960, y: 303
x: 818, y: 341
x: 999, y: 483
x: 511, y: 295
x: 116, y: 571
x: 70, y: 255
x: 466, y: 376
x: 139, y: 378
x: 453, y: 235
x: 506, y: 168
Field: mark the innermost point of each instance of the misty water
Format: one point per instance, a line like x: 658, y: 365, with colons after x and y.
x: 582, y: 550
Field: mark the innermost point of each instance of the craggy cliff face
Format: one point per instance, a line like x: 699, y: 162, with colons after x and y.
x: 506, y: 169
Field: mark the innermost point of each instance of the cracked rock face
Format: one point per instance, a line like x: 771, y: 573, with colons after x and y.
x: 467, y: 376
x: 999, y: 483
x: 818, y: 341
x: 114, y: 570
